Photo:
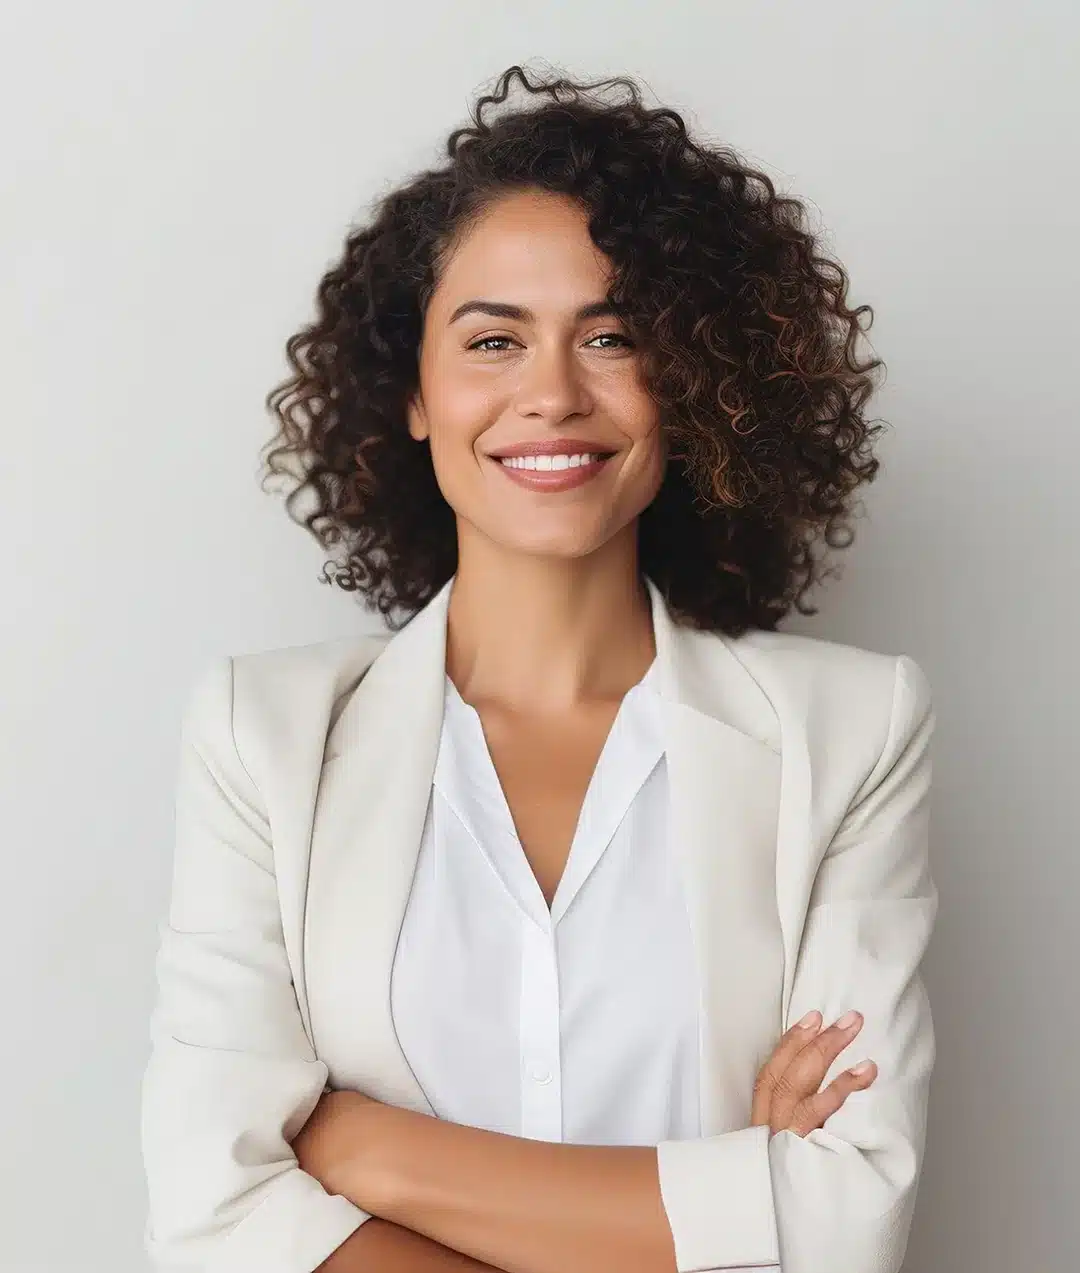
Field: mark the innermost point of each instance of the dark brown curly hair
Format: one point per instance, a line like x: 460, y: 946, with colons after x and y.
x: 748, y: 348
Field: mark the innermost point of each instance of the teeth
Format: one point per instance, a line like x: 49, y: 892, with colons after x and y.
x: 547, y: 462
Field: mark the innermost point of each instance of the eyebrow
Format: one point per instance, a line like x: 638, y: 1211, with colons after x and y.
x: 500, y: 309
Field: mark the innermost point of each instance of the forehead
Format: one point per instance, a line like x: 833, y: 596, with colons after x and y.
x: 526, y: 247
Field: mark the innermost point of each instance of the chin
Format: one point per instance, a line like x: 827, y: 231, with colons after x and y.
x: 564, y: 546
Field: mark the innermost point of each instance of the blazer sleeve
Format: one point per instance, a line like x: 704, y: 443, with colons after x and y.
x: 232, y: 1076
x: 841, y: 1197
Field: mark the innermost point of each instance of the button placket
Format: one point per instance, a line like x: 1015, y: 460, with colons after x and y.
x: 541, y: 1086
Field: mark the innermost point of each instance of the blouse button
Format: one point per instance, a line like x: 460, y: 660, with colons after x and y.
x: 540, y: 1076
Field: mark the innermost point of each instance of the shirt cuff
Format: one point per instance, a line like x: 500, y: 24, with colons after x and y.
x: 717, y: 1192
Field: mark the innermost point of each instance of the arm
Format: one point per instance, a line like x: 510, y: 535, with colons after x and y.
x: 844, y: 1193
x: 335, y: 1145
x: 522, y: 1205
x: 389, y: 1248
x: 231, y: 1076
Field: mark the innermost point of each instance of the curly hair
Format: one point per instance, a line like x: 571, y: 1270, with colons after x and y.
x: 748, y: 348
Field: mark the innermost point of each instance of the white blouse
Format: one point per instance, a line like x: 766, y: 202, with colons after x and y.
x: 580, y: 1024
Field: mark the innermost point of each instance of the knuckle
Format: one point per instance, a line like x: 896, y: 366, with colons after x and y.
x: 806, y: 1074
x: 826, y: 1047
x: 780, y: 1055
x: 826, y: 1104
x: 784, y: 1087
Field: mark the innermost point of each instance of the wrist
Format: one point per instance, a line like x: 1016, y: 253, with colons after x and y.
x: 366, y: 1170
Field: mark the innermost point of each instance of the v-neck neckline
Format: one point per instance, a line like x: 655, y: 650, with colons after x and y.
x: 468, y: 780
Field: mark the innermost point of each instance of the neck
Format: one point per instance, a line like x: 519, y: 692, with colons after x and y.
x: 543, y: 635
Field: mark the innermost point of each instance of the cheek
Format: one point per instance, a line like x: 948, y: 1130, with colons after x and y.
x: 456, y: 456
x: 648, y: 459
x: 465, y: 410
x: 641, y: 478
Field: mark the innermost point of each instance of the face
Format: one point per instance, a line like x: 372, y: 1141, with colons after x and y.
x: 518, y: 347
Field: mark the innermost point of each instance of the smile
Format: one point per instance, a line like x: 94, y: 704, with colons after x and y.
x: 552, y: 472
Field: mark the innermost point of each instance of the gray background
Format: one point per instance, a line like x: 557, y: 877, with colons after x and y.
x: 175, y: 179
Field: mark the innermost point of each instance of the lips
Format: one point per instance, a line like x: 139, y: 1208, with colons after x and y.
x: 563, y: 479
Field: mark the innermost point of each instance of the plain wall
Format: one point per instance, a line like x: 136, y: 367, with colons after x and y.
x: 175, y: 179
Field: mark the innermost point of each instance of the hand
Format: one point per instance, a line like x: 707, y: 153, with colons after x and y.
x: 329, y: 1144
x: 786, y: 1096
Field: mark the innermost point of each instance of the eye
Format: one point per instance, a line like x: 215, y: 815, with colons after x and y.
x: 486, y: 340
x: 624, y: 340
x: 484, y: 344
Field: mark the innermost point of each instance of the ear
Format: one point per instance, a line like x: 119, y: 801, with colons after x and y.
x: 417, y: 418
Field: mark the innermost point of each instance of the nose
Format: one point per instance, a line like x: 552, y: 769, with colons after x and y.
x: 552, y: 385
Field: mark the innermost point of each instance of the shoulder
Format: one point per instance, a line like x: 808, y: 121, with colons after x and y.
x: 340, y: 660
x: 816, y: 661
x: 846, y: 696
x: 250, y: 696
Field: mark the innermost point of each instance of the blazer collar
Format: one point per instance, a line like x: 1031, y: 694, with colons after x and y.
x: 699, y: 670
x: 722, y: 736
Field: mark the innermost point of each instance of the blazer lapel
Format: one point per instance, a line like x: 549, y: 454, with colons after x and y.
x: 380, y: 761
x: 725, y: 773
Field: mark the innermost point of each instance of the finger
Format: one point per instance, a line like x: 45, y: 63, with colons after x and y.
x: 790, y: 1045
x: 813, y: 1112
x: 804, y: 1075
x: 812, y: 1063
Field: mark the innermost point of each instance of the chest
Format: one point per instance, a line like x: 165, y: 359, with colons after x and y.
x: 585, y: 1028
x: 721, y: 790
x: 544, y: 766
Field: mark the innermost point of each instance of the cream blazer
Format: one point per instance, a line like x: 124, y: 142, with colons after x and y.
x: 799, y: 774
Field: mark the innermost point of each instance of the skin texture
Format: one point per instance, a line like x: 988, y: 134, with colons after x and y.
x: 548, y: 627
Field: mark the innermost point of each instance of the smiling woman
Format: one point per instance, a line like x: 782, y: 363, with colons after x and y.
x: 583, y: 269
x: 447, y: 978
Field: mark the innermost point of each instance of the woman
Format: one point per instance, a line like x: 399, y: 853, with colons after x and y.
x: 525, y: 936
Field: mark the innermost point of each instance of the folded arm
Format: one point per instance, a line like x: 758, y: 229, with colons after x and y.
x: 522, y: 1205
x: 843, y: 1195
x: 840, y: 1198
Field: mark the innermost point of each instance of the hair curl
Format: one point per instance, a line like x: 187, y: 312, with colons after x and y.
x: 747, y: 341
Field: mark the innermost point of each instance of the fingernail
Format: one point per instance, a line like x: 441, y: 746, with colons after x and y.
x: 811, y: 1019
x: 862, y: 1068
x: 847, y: 1020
